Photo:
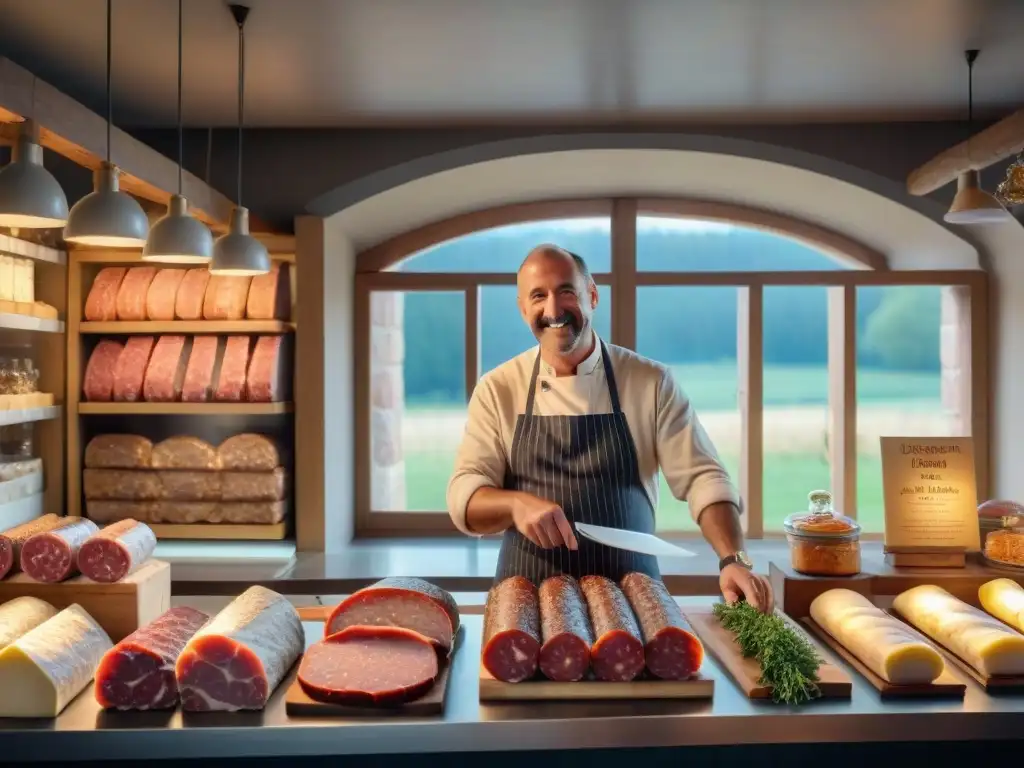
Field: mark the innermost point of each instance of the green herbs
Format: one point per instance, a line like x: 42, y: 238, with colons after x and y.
x: 789, y: 664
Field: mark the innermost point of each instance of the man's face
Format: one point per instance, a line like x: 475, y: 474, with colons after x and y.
x: 556, y: 301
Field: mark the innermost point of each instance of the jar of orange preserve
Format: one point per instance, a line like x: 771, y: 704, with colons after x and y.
x: 821, y: 541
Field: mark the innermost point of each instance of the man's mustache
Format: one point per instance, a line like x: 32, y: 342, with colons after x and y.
x: 566, y: 318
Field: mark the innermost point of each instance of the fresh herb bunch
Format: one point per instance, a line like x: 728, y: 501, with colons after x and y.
x: 789, y: 664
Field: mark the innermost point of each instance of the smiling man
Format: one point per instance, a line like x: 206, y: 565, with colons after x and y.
x: 575, y: 430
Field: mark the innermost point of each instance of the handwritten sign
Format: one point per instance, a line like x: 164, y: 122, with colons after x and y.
x: 931, y: 498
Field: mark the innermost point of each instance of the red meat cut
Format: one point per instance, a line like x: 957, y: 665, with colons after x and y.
x: 268, y: 377
x: 101, y: 304
x: 270, y: 295
x: 98, y: 382
x: 511, y: 641
x: 377, y: 666
x: 617, y: 654
x: 165, y: 374
x: 672, y: 652
x: 130, y: 369
x: 52, y: 556
x: 163, y: 293
x: 138, y: 672
x: 116, y: 551
x: 12, y: 540
x: 188, y: 304
x: 564, y: 629
x: 233, y: 367
x: 131, y: 295
x: 200, y: 373
x: 226, y: 296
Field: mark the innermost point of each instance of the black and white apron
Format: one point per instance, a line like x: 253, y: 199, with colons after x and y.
x: 587, y: 465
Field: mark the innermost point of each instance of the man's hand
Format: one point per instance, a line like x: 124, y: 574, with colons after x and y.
x: 543, y: 522
x: 737, y: 582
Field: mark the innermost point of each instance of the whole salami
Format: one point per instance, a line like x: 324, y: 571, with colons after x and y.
x: 511, y: 642
x: 617, y: 654
x: 52, y: 556
x: 672, y: 651
x: 12, y: 540
x: 565, y: 630
x: 116, y: 551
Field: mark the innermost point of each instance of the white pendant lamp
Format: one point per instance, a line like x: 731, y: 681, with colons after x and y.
x: 29, y: 195
x: 972, y: 204
x: 106, y: 217
x: 178, y: 237
x: 238, y: 252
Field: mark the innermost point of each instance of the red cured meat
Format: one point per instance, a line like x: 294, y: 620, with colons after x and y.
x: 270, y: 295
x: 404, y: 602
x: 130, y: 369
x: 101, y: 304
x: 138, y: 672
x: 511, y: 641
x: 376, y: 666
x: 268, y: 377
x: 188, y: 304
x: 52, y: 555
x: 131, y: 295
x: 564, y: 629
x: 98, y: 382
x: 12, y: 540
x: 225, y: 297
x: 116, y: 551
x: 163, y: 293
x: 200, y: 373
x: 617, y: 654
x: 233, y: 367
x: 672, y: 651
x: 165, y: 374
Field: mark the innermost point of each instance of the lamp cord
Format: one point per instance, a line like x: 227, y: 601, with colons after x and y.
x: 110, y: 100
x: 181, y: 139
x: 241, y: 103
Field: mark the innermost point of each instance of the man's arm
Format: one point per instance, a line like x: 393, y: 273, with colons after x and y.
x: 720, y: 524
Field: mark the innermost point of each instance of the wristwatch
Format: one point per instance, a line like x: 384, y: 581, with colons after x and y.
x: 740, y: 558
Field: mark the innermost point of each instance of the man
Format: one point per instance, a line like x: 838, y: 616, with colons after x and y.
x: 575, y: 432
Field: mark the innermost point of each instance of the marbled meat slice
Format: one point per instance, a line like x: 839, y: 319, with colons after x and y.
x: 226, y: 296
x: 138, y: 672
x: 234, y: 365
x: 12, y: 540
x: 117, y: 551
x: 131, y: 295
x: 118, y: 452
x: 672, y: 652
x: 51, y: 556
x: 376, y: 666
x: 163, y: 293
x: 130, y: 370
x: 565, y: 630
x: 237, y: 660
x: 399, y: 601
x: 511, y: 640
x: 201, y: 371
x: 165, y: 373
x: 101, y: 304
x: 268, y: 377
x: 188, y: 304
x: 98, y: 382
x: 270, y: 295
x: 617, y: 654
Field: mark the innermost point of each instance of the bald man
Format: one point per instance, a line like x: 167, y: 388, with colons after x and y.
x: 575, y: 430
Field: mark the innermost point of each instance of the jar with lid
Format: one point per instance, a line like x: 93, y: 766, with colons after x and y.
x: 1001, y: 524
x: 823, y: 542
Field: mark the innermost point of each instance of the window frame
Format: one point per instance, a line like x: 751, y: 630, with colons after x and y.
x: 867, y: 267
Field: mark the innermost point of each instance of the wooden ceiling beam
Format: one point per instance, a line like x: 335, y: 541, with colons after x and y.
x: 997, y: 142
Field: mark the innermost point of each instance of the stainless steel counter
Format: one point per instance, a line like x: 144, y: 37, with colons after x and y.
x: 467, y: 725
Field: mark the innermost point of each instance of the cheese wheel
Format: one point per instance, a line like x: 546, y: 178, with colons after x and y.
x: 50, y: 665
x: 1004, y: 599
x: 884, y: 644
x: 21, y: 615
x: 985, y: 643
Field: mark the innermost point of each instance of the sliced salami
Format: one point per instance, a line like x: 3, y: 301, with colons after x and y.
x: 116, y: 551
x: 672, y: 652
x: 52, y: 556
x: 375, y: 666
x: 511, y: 641
x: 12, y: 540
x: 565, y: 630
x: 617, y: 654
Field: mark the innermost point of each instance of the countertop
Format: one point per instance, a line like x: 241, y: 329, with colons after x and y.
x: 469, y: 726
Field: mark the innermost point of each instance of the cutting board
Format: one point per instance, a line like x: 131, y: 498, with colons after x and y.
x: 833, y: 682
x: 542, y: 689
x: 945, y: 686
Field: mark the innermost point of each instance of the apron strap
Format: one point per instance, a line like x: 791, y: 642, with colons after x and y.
x: 531, y: 395
x: 609, y: 375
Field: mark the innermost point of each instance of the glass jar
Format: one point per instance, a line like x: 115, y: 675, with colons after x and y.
x: 1001, y: 524
x: 821, y: 541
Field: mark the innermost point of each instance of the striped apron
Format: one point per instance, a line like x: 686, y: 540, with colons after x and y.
x: 587, y: 465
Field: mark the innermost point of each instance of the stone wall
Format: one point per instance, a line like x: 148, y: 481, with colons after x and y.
x: 387, y: 402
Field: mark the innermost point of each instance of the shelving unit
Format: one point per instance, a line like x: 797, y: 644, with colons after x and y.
x: 262, y: 327
x: 183, y: 409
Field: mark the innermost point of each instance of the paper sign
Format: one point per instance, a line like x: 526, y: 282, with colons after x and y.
x: 931, y: 499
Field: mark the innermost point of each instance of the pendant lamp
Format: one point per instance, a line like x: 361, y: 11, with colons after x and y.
x: 972, y: 204
x: 29, y: 195
x: 178, y: 237
x: 238, y: 252
x: 107, y: 217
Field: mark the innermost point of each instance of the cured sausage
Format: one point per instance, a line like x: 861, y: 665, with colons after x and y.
x: 511, y: 642
x: 52, y: 555
x: 12, y: 540
x: 116, y: 551
x: 377, y: 666
x: 101, y: 304
x: 565, y: 630
x: 672, y: 651
x: 617, y: 654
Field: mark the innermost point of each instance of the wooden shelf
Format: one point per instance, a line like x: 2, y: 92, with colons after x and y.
x: 12, y: 246
x: 26, y: 415
x: 241, y: 532
x: 187, y: 326
x: 183, y: 409
x: 17, y: 322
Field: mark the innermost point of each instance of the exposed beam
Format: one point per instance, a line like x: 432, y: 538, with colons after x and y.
x: 997, y: 142
x: 750, y: 360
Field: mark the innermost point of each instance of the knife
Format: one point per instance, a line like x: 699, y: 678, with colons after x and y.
x: 632, y: 541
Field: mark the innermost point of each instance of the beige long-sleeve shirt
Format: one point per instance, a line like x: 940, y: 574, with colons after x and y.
x: 665, y: 428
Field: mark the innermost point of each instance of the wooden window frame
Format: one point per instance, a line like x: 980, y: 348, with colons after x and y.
x: 867, y: 267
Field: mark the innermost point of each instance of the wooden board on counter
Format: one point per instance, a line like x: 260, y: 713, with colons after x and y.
x: 833, y: 682
x: 945, y: 686
x: 120, y: 608
x: 698, y: 687
x: 223, y: 532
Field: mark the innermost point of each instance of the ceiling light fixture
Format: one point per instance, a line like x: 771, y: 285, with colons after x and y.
x: 107, y: 217
x: 178, y: 237
x: 972, y: 204
x: 238, y: 252
x: 29, y: 195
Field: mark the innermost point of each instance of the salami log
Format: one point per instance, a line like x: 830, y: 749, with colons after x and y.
x: 130, y: 370
x: 101, y: 304
x: 163, y: 292
x: 188, y: 304
x: 52, y: 555
x: 132, y: 293
x: 12, y: 540
x: 672, y: 651
x: 116, y: 551
x: 375, y: 666
x: 564, y: 629
x: 98, y: 383
x: 617, y: 654
x: 511, y: 642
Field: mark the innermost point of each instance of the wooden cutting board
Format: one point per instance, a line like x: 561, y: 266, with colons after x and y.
x: 541, y: 689
x: 833, y: 682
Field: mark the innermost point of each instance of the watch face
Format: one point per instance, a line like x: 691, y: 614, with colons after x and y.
x: 742, y: 559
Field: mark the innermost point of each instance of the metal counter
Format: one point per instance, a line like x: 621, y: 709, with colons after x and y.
x: 467, y: 725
